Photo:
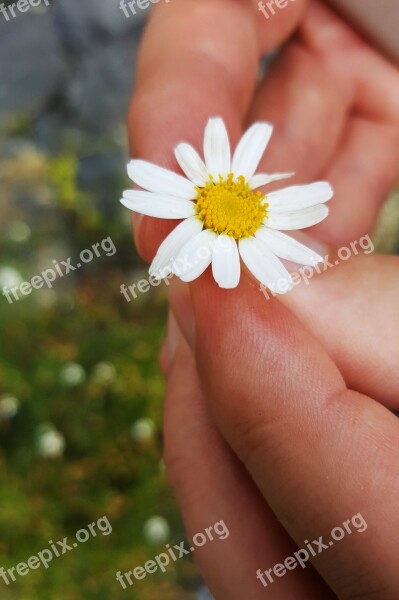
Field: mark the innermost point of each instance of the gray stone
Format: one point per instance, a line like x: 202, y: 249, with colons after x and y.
x: 83, y: 22
x: 99, y: 91
x: 53, y: 134
x: 31, y: 63
x: 101, y: 175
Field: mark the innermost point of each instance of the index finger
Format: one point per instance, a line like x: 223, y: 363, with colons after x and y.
x: 197, y: 59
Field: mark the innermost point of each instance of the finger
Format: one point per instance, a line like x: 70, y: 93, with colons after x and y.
x: 169, y: 345
x: 350, y: 299
x: 363, y: 173
x: 318, y: 452
x: 312, y: 94
x: 346, y: 54
x: 184, y: 78
x: 309, y: 108
x: 366, y: 165
x: 350, y: 308
x: 212, y: 487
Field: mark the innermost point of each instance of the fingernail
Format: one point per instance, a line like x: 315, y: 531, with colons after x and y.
x: 316, y: 245
x: 182, y: 306
x: 172, y: 338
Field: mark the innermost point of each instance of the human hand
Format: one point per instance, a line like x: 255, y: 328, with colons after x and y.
x: 333, y: 100
x: 262, y: 431
x: 330, y: 97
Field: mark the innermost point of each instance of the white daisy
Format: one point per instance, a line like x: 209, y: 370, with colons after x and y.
x: 225, y: 218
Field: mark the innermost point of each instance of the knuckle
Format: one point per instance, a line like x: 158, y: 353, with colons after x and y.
x: 259, y: 443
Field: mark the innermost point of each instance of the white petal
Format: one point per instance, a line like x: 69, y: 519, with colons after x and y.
x: 263, y: 178
x: 300, y: 196
x: 250, y: 150
x: 286, y: 247
x: 172, y: 244
x: 226, y: 262
x: 191, y: 163
x: 217, y: 148
x: 297, y: 219
x: 195, y: 256
x: 159, y: 180
x: 155, y: 205
x: 264, y: 265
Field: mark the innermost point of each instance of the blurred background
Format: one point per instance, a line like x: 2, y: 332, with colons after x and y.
x: 80, y: 391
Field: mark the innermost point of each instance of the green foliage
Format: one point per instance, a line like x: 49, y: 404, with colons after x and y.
x: 112, y: 345
x: 63, y: 170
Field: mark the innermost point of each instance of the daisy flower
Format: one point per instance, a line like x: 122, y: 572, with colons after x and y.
x: 224, y: 215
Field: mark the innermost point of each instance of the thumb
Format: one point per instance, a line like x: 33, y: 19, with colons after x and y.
x: 319, y: 453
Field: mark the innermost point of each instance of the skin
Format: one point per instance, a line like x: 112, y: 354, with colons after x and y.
x: 278, y: 415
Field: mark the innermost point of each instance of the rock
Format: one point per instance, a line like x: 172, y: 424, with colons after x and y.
x: 82, y: 23
x: 31, y: 63
x: 52, y: 133
x: 102, y: 174
x: 100, y: 90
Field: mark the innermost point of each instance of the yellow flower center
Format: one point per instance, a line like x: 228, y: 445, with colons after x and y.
x: 230, y: 207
